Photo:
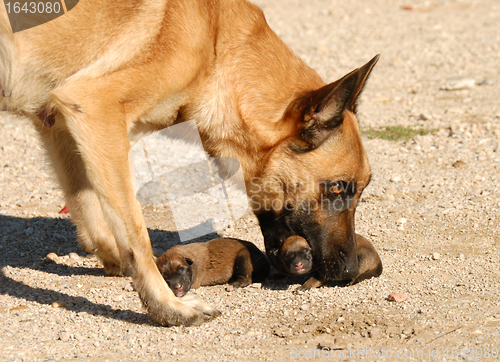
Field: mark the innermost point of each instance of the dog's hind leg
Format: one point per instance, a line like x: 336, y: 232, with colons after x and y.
x: 94, y: 234
x: 96, y: 118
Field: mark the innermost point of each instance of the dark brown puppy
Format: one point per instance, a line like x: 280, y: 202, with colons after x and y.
x: 370, y: 264
x: 217, y: 261
x: 296, y: 255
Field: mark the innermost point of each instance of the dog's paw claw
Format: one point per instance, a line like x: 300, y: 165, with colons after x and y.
x: 208, y: 317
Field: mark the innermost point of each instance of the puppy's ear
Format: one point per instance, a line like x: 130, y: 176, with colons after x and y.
x: 163, y: 264
x: 188, y: 261
x: 319, y: 113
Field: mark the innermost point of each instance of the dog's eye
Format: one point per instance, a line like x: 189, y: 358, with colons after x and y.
x: 337, y: 188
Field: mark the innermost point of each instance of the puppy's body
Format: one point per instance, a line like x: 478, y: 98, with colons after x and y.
x: 109, y: 71
x: 217, y: 261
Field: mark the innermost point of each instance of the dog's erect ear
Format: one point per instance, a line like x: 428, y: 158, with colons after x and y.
x: 319, y: 112
x: 188, y: 261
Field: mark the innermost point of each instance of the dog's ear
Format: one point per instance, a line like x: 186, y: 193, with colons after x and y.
x: 188, y: 261
x: 320, y: 112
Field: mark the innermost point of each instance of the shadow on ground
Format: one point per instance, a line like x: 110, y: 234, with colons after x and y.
x: 25, y: 243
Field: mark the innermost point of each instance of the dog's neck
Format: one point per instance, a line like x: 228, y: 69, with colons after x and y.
x: 242, y: 100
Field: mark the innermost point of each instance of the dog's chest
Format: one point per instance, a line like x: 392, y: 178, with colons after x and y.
x: 163, y: 114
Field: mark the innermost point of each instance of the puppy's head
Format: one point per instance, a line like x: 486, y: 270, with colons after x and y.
x: 296, y: 255
x: 177, y: 272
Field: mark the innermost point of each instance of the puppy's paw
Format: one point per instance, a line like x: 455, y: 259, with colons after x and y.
x: 311, y: 283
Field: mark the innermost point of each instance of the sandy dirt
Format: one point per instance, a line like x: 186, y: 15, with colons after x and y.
x: 434, y: 221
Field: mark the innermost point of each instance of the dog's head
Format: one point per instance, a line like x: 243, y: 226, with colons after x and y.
x: 177, y: 272
x: 296, y: 255
x: 314, y: 178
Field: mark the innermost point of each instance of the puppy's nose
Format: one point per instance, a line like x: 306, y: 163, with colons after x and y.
x: 178, y: 288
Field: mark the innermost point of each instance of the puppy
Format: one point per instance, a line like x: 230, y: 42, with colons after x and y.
x: 370, y: 265
x: 217, y: 261
x: 296, y: 255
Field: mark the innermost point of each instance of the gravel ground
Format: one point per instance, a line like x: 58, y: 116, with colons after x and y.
x: 435, y: 221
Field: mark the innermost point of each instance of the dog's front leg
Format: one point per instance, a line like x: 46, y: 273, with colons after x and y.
x: 97, y: 123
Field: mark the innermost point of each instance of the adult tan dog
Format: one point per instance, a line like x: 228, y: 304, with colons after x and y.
x: 110, y: 71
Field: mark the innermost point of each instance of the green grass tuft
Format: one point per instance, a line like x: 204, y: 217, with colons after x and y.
x: 395, y: 133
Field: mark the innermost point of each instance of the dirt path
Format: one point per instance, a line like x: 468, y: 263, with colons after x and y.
x: 434, y: 221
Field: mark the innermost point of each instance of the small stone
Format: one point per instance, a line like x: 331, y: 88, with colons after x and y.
x: 256, y: 285
x: 128, y: 287
x: 401, y: 221
x: 74, y: 257
x: 397, y: 297
x: 65, y: 336
x: 487, y: 81
x: 375, y: 333
x: 457, y: 83
x: 436, y: 256
x: 58, y: 304
x: 392, y: 192
x: 282, y: 332
x: 459, y: 164
x: 304, y: 307
x: 462, y: 257
x: 21, y: 307
x: 396, y: 179
x: 340, y: 319
x: 53, y: 258
x: 424, y: 117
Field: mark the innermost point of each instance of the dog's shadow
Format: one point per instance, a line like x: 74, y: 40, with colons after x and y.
x: 25, y: 243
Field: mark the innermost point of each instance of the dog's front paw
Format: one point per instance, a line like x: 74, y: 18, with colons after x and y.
x: 193, y: 301
x: 176, y: 313
x: 168, y: 310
